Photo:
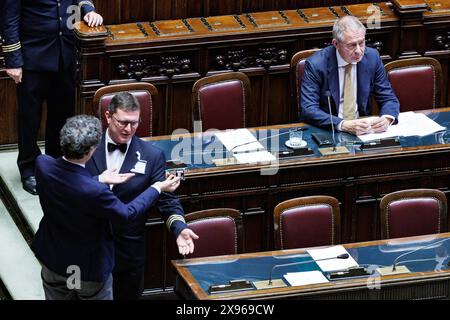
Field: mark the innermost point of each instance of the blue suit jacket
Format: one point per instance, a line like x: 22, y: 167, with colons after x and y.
x: 75, y: 228
x: 36, y: 34
x: 129, y: 237
x: 321, y: 75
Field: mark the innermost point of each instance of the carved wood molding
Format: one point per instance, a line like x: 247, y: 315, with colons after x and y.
x: 238, y: 59
x: 139, y: 68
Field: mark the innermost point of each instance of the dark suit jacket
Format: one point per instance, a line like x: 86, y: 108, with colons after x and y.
x: 321, y: 75
x: 130, y: 237
x: 75, y: 229
x: 35, y: 37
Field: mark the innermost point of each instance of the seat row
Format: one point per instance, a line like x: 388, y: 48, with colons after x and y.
x: 221, y: 101
x: 315, y: 221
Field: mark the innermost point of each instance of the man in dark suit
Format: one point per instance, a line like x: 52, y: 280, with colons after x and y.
x: 351, y: 74
x: 120, y: 149
x: 74, y: 235
x: 39, y: 51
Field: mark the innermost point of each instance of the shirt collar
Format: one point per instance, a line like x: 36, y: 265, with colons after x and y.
x: 78, y: 164
x: 340, y: 61
x: 109, y: 140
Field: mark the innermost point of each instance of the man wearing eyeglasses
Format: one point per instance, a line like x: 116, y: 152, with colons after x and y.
x: 120, y: 149
x: 349, y: 74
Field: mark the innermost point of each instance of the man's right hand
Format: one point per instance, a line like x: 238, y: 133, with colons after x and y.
x: 15, y: 74
x: 168, y: 185
x: 357, y: 126
x: 113, y: 177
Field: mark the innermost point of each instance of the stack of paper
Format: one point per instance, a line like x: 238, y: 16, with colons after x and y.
x: 327, y: 261
x: 305, y: 278
x: 409, y: 124
x: 244, y: 146
x: 239, y: 140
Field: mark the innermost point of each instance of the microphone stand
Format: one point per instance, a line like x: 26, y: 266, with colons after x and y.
x: 231, y: 152
x: 402, y: 269
x: 264, y: 284
x: 332, y: 123
x: 334, y: 149
x: 266, y: 138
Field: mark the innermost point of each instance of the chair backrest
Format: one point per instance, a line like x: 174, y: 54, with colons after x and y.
x: 417, y: 82
x: 219, y: 231
x: 307, y: 222
x: 144, y: 93
x: 221, y: 101
x: 413, y: 212
x: 296, y: 73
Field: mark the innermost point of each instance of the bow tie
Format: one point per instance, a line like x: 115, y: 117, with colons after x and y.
x: 122, y: 147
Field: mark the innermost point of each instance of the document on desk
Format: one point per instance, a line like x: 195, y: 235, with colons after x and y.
x: 305, y: 278
x: 328, y: 261
x: 239, y: 140
x: 409, y: 124
x: 255, y: 157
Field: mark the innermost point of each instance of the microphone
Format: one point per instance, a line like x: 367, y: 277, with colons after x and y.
x: 334, y: 149
x: 264, y: 284
x: 266, y: 138
x: 341, y: 256
x: 396, y: 269
x: 328, y: 94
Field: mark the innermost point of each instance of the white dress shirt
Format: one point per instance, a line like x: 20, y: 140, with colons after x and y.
x: 114, y: 160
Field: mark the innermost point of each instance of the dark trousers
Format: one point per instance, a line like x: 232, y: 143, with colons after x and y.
x: 128, y: 285
x: 55, y: 288
x: 58, y: 90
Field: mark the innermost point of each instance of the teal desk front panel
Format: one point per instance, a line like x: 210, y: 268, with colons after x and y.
x: 432, y: 255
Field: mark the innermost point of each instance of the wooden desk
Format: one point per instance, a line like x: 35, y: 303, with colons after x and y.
x: 358, y: 180
x: 427, y: 280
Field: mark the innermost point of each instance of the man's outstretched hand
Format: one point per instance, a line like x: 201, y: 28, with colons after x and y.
x: 113, y: 177
x: 185, y: 241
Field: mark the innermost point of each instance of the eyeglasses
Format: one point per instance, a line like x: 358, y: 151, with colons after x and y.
x: 123, y: 123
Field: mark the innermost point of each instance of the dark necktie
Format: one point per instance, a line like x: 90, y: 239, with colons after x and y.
x: 122, y: 147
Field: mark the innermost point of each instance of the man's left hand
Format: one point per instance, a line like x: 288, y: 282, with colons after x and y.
x: 185, y: 241
x: 380, y: 124
x: 113, y: 177
x: 93, y: 19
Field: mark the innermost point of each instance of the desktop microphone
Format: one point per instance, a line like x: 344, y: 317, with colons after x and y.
x: 266, y: 138
x: 264, y: 284
x: 341, y: 256
x: 396, y: 269
x: 334, y: 149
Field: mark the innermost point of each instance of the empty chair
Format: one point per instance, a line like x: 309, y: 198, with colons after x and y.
x: 296, y: 73
x: 144, y: 93
x: 220, y: 101
x: 307, y: 222
x: 412, y: 213
x: 417, y: 82
x: 219, y: 231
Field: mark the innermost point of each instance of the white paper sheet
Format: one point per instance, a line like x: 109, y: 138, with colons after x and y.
x: 409, y: 124
x: 305, y: 278
x: 254, y: 157
x: 231, y: 139
x: 332, y: 264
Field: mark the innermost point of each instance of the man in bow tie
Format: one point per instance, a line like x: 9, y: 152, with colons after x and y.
x: 121, y: 150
